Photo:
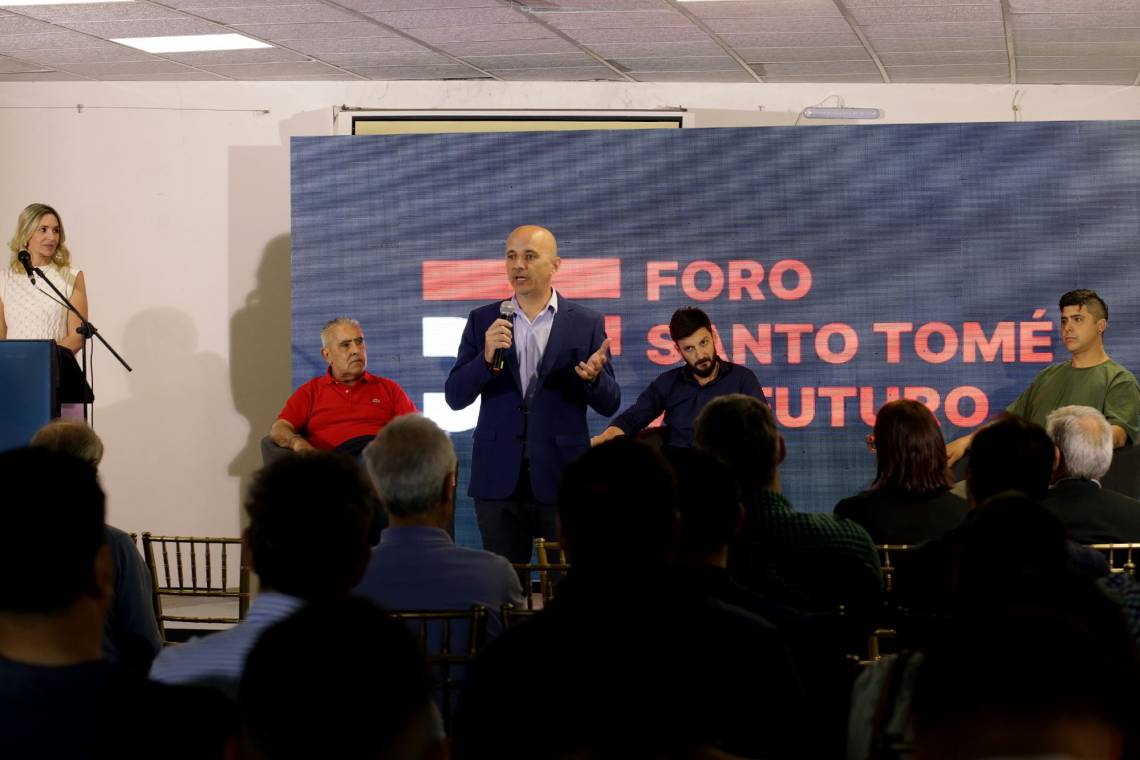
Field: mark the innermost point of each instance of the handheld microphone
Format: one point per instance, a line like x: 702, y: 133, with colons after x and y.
x: 499, y: 363
x: 26, y: 259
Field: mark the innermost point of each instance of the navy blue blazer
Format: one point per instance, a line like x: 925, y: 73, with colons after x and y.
x: 556, y: 430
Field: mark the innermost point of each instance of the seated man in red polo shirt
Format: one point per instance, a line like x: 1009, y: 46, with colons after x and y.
x: 345, y: 408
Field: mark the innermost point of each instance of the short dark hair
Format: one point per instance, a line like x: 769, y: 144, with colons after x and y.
x: 909, y: 449
x: 708, y: 501
x: 686, y: 321
x: 51, y: 499
x: 309, y: 523
x: 741, y: 432
x: 338, y: 679
x: 1086, y: 298
x: 617, y: 502
x: 1011, y: 454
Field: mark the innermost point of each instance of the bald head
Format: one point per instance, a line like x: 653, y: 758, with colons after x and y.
x: 531, y: 259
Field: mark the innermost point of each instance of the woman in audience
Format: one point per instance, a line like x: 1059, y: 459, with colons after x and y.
x: 24, y: 313
x: 910, y: 500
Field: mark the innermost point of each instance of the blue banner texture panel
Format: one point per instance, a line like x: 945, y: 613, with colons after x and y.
x: 845, y: 265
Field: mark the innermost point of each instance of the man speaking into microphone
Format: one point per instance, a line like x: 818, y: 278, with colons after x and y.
x: 535, y: 375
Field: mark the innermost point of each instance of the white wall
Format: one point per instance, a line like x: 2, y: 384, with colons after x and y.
x: 178, y: 209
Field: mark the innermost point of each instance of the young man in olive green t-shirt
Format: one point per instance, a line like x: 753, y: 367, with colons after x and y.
x: 1090, y: 378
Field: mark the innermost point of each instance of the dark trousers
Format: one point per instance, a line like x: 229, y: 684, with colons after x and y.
x: 509, y: 526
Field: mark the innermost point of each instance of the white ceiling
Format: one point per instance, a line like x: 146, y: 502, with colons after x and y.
x: 977, y: 41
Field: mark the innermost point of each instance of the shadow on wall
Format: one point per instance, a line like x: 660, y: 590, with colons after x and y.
x: 171, y: 439
x: 259, y: 354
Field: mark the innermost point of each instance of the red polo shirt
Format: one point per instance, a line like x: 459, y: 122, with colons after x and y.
x: 328, y: 413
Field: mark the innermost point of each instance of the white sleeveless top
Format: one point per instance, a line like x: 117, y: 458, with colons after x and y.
x: 28, y: 310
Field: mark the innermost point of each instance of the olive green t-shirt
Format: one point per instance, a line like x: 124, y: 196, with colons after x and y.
x: 1107, y: 387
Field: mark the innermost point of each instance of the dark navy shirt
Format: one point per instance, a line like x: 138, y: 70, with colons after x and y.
x: 681, y: 397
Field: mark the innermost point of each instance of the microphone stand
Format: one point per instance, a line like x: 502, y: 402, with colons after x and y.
x: 87, y: 330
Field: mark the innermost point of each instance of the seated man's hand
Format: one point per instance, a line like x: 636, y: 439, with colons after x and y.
x: 606, y: 435
x: 955, y: 450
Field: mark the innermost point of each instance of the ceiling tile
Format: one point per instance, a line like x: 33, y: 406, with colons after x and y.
x: 951, y: 80
x: 59, y: 40
x: 664, y: 34
x: 963, y: 70
x: 1078, y: 48
x: 836, y: 78
x: 99, y: 12
x: 767, y: 9
x: 278, y: 14
x: 416, y: 5
x: 141, y: 68
x: 378, y: 45
x: 300, y: 71
x: 337, y: 30
x: 780, y: 25
x: 732, y: 75
x: 616, y: 20
x: 936, y: 58
x: 574, y: 74
x: 1075, y: 63
x: 480, y: 33
x: 925, y: 14
x: 933, y: 44
x: 425, y: 72
x: 1084, y: 6
x: 791, y: 40
x: 109, y: 29
x: 190, y: 76
x: 792, y: 54
x: 656, y: 49
x: 934, y: 30
x: 21, y: 25
x: 193, y: 5
x: 49, y: 76
x: 105, y: 54
x: 595, y: 5
x: 213, y: 57
x: 817, y: 68
x: 521, y: 47
x: 15, y: 66
x: 691, y: 63
x: 498, y: 62
x: 357, y: 60
x: 1076, y: 77
x: 446, y: 18
x: 1123, y: 34
x: 1075, y: 20
x: 852, y: 4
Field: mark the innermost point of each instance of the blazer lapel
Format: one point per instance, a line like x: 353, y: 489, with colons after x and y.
x: 558, y: 334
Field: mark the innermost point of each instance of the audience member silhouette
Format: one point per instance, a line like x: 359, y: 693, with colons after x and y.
x: 621, y: 664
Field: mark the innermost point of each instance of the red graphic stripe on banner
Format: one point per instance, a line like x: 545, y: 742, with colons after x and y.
x: 486, y: 279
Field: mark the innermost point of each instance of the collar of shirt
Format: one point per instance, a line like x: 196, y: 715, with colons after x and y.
x: 1079, y: 480
x: 365, y: 378
x: 272, y: 605
x: 551, y: 308
x: 413, y: 534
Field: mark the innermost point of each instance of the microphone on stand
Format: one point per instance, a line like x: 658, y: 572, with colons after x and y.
x: 499, y: 363
x: 26, y: 259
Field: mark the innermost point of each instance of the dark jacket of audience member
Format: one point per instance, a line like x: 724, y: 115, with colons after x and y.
x: 812, y: 562
x: 1091, y: 513
x: 621, y: 664
x: 339, y: 679
x: 58, y: 697
x: 910, y: 500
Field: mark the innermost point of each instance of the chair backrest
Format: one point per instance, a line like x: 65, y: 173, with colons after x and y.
x: 887, y: 565
x: 197, y: 567
x: 450, y: 639
x: 512, y: 615
x: 548, y: 568
x: 1119, y: 556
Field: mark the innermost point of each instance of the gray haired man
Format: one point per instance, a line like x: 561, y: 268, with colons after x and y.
x: 1091, y: 513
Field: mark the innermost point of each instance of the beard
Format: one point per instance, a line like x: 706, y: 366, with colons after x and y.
x: 701, y: 370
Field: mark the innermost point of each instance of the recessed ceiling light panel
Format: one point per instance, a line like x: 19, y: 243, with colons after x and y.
x: 192, y: 43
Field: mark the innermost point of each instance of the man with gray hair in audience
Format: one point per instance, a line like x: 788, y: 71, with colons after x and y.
x: 416, y: 565
x: 1091, y: 513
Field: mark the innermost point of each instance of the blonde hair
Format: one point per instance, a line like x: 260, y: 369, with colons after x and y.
x: 26, y: 224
